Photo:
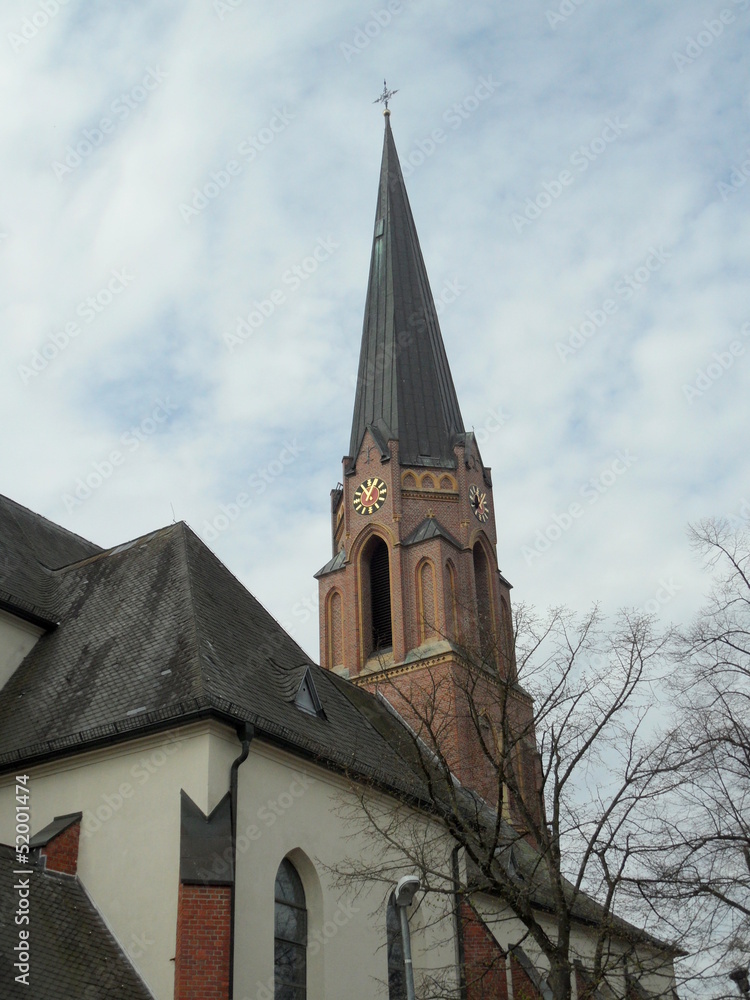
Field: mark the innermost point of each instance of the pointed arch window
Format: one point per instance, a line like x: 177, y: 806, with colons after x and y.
x: 484, y: 602
x: 427, y: 611
x: 335, y: 623
x: 507, y: 631
x: 452, y: 600
x: 290, y: 935
x: 380, y: 597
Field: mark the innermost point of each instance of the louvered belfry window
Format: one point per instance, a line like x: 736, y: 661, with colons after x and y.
x: 380, y: 597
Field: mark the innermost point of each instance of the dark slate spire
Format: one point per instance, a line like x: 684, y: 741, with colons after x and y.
x: 404, y: 387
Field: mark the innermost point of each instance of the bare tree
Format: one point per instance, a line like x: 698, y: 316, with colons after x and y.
x: 704, y: 877
x: 555, y: 843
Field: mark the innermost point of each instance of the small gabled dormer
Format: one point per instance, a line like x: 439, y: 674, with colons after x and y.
x: 307, y: 699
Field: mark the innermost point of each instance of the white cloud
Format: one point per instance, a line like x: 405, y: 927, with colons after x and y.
x: 226, y: 81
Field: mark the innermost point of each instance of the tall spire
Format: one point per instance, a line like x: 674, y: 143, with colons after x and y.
x: 405, y: 390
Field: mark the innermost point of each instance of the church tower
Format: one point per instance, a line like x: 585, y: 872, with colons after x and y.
x: 412, y: 604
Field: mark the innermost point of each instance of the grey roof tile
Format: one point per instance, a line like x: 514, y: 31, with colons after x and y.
x: 31, y: 546
x: 430, y: 528
x: 156, y: 631
x: 72, y: 952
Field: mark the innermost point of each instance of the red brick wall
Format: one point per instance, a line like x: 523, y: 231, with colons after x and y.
x: 448, y: 681
x: 203, y: 934
x: 484, y: 959
x: 523, y: 988
x: 61, y: 852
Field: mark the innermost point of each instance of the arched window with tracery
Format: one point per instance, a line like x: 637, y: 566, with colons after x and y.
x: 290, y: 935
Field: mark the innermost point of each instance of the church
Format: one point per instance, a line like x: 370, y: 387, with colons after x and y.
x: 192, y: 809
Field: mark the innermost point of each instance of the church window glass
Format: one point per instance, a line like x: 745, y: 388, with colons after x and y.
x: 290, y: 935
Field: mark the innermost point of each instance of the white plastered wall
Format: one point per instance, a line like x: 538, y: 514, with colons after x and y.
x: 129, y: 857
x: 288, y: 807
x: 654, y: 969
x: 130, y: 832
x: 17, y: 638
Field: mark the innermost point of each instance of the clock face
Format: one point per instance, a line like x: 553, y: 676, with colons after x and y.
x: 479, y: 503
x: 370, y: 496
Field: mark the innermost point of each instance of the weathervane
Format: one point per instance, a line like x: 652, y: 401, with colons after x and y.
x: 385, y: 97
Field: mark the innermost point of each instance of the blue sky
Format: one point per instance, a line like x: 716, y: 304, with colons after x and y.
x: 578, y: 174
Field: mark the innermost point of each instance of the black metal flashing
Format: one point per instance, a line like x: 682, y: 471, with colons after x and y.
x: 404, y: 386
x: 54, y: 829
x: 206, y: 856
x: 332, y: 565
x: 26, y: 612
x: 430, y: 528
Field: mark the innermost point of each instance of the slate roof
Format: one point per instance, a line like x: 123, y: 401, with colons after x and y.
x: 338, y: 561
x: 430, y: 528
x: 516, y: 859
x: 72, y: 952
x: 158, y: 631
x: 405, y: 390
x: 31, y: 546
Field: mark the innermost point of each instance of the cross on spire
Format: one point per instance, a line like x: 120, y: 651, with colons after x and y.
x: 385, y: 97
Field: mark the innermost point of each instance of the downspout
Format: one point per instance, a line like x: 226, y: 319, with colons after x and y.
x: 245, y: 734
x: 461, y: 953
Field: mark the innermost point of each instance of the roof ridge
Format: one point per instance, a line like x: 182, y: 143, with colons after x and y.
x: 225, y: 569
x: 116, y: 549
x: 191, y: 601
x: 53, y: 524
